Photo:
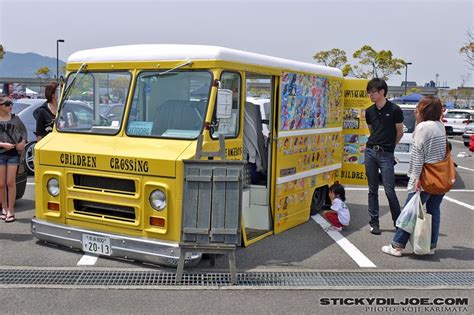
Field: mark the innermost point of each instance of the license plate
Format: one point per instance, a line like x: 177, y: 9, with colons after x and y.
x: 96, y: 244
x: 402, y: 147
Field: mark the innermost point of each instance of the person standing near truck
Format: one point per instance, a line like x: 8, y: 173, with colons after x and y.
x: 46, y: 113
x: 385, y: 122
x: 12, y: 142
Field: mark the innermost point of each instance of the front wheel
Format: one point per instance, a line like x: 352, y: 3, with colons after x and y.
x: 319, y: 197
x: 30, y: 157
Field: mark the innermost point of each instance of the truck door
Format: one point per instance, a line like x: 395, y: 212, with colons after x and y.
x: 355, y: 131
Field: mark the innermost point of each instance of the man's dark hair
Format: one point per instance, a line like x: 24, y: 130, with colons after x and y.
x: 339, y: 191
x: 377, y: 84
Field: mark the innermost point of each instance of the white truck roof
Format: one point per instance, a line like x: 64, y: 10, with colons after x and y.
x: 194, y: 52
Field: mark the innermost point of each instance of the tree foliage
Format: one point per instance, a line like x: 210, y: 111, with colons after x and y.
x: 371, y: 63
x: 413, y: 90
x: 468, y: 49
x: 376, y: 64
x: 2, y: 52
x: 43, y: 73
x: 333, y: 58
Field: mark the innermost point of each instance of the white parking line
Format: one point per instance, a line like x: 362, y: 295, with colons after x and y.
x: 344, y: 243
x: 465, y: 168
x: 88, y: 260
x: 459, y: 202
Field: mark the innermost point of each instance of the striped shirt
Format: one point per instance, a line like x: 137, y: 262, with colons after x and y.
x: 429, y: 146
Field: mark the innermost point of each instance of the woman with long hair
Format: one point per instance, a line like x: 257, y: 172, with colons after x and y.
x: 46, y: 113
x: 429, y: 146
x: 12, y: 142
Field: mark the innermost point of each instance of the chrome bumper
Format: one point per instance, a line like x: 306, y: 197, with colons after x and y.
x: 134, y: 248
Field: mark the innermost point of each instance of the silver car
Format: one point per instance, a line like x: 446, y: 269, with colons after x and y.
x: 24, y: 108
x: 457, y: 119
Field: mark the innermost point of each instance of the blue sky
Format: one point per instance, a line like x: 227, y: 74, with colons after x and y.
x: 426, y: 33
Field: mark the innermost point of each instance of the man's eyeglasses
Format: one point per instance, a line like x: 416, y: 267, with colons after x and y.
x: 7, y: 103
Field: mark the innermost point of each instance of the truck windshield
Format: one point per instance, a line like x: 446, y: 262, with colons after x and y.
x: 94, y: 103
x: 169, y: 104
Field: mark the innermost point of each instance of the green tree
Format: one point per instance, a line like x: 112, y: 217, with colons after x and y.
x: 43, y: 73
x: 468, y: 49
x: 413, y: 90
x: 2, y: 52
x: 376, y: 64
x: 370, y: 63
x: 347, y: 70
x: 333, y: 58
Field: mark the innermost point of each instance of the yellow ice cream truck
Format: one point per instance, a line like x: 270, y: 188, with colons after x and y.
x: 109, y: 178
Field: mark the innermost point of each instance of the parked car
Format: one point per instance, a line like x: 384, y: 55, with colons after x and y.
x: 471, y: 144
x: 457, y: 119
x: 468, y: 132
x: 111, y: 111
x: 25, y: 108
x: 402, y: 150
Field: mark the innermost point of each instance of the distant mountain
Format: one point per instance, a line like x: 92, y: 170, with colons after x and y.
x: 18, y: 65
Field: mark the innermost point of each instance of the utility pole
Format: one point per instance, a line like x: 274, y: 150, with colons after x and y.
x: 406, y: 75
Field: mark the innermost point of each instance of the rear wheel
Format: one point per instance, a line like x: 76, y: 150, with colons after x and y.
x: 30, y: 157
x: 319, y: 197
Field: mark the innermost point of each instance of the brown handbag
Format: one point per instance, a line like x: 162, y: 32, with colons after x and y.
x: 438, y: 178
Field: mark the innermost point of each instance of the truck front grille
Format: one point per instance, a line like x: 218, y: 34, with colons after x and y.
x: 104, y: 210
x: 105, y: 184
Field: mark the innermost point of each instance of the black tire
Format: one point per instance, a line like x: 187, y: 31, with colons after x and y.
x: 466, y: 144
x: 21, y: 180
x: 30, y: 157
x: 319, y: 197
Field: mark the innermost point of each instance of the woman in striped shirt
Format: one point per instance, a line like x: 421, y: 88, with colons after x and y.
x: 429, y: 146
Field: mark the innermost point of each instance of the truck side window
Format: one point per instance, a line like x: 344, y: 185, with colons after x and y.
x: 229, y: 126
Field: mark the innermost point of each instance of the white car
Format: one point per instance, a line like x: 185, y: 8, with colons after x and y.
x: 457, y: 119
x: 402, y: 150
x: 264, y: 104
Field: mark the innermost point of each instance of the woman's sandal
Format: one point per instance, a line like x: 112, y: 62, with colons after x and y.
x: 10, y: 219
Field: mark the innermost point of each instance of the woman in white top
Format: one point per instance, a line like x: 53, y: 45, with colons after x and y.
x: 429, y: 146
x: 339, y: 215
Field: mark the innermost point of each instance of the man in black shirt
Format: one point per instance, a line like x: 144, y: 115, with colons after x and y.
x: 385, y: 121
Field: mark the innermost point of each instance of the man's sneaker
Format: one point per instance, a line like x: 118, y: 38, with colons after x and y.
x: 432, y: 251
x: 375, y: 230
x: 392, y: 251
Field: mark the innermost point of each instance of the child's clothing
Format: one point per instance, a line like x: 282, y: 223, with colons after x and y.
x: 340, y: 215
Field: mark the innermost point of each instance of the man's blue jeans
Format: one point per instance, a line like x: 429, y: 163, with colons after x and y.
x: 375, y: 160
x: 432, y: 204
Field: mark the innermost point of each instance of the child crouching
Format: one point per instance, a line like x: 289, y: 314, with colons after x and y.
x: 339, y: 215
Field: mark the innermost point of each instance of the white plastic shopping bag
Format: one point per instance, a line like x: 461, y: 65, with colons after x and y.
x: 421, y: 236
x: 407, y: 218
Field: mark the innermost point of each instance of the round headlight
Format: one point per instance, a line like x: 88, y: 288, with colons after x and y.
x: 157, y: 199
x: 53, y: 187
